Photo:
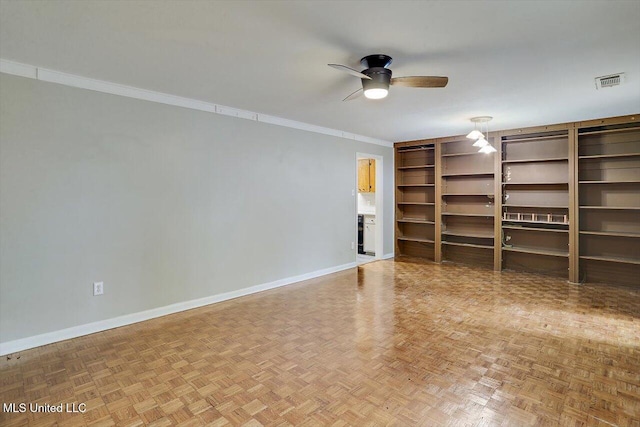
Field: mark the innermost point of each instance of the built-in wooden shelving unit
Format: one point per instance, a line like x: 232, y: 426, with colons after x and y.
x: 609, y: 199
x: 560, y: 199
x: 415, y: 199
x: 535, y: 194
x: 467, y: 203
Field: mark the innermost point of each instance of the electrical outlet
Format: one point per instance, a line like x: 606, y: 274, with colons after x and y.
x: 353, y: 245
x: 98, y: 288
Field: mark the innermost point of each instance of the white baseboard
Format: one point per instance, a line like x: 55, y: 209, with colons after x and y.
x: 388, y: 256
x: 10, y: 347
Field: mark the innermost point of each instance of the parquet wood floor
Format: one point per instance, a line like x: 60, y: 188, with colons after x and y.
x: 389, y: 343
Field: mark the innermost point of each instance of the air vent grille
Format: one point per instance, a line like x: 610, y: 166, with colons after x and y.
x: 609, y: 81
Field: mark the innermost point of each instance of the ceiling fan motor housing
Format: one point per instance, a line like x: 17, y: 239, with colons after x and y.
x: 380, y: 78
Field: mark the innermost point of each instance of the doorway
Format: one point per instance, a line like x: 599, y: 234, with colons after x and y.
x: 369, y: 207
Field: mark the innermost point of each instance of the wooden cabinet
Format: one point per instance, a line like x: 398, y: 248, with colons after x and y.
x: 366, y: 176
x: 559, y: 199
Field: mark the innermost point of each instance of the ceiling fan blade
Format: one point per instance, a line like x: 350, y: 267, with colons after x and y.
x: 349, y: 70
x: 420, y: 81
x: 354, y: 95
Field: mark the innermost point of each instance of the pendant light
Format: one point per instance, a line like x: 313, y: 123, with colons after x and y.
x: 481, y: 140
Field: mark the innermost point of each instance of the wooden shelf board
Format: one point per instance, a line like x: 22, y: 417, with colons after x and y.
x: 624, y: 208
x: 534, y: 222
x: 467, y: 245
x: 610, y: 233
x: 468, y: 174
x: 416, y: 185
x: 415, y: 167
x: 467, y: 214
x: 462, y: 154
x: 598, y: 132
x: 627, y: 181
x: 611, y: 259
x: 417, y: 203
x: 535, y: 183
x: 469, y: 194
x: 416, y: 221
x: 536, y: 138
x: 553, y: 230
x: 473, y: 235
x: 534, y: 206
x: 409, y: 150
x: 608, y: 156
x: 545, y: 252
x: 415, y: 239
x: 553, y: 159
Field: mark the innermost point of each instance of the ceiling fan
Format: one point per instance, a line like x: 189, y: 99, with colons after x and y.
x: 376, y: 78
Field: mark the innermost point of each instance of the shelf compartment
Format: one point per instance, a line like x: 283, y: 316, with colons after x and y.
x: 623, y: 208
x: 610, y: 221
x: 543, y: 196
x: 537, y: 160
x: 610, y: 248
x: 604, y: 270
x: 468, y: 226
x: 415, y: 239
x: 536, y: 251
x: 415, y: 157
x: 468, y: 254
x: 611, y: 182
x: 468, y: 205
x: 416, y: 185
x: 622, y: 195
x: 415, y: 249
x: 468, y: 185
x: 559, y: 137
x: 452, y: 175
x: 467, y: 245
x: 541, y: 263
x: 612, y: 234
x: 463, y: 194
x: 422, y: 212
x: 426, y: 147
x: 609, y: 142
x: 416, y: 221
x: 542, y: 229
x: 460, y: 166
x: 611, y: 259
x: 469, y: 153
x: 609, y: 156
x: 468, y: 234
x: 618, y: 169
x: 415, y: 176
x: 527, y: 173
x: 416, y: 232
x: 416, y: 167
x: 416, y: 195
x: 461, y: 147
x: 524, y: 240
x: 532, y: 206
x: 480, y: 215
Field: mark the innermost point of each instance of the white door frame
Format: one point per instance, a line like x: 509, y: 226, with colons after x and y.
x: 379, y: 201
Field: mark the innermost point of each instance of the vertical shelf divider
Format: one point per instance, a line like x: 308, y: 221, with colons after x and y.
x: 574, y: 244
x: 438, y: 202
x: 497, y: 200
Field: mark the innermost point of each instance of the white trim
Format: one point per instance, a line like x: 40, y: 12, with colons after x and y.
x: 388, y: 256
x: 15, y: 346
x: 379, y: 248
x: 52, y: 76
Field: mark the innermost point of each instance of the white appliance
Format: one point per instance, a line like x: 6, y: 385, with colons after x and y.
x: 369, y: 234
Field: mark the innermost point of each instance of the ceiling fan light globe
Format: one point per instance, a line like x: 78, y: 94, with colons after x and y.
x: 475, y: 134
x: 481, y: 142
x: 376, y: 93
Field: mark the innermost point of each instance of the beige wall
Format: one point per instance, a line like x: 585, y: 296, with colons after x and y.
x: 161, y: 203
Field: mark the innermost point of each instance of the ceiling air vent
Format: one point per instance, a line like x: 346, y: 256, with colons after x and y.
x: 609, y: 81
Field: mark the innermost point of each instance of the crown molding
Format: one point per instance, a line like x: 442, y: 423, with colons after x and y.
x: 72, y: 80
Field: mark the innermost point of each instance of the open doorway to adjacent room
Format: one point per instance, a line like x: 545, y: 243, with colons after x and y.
x: 369, y: 204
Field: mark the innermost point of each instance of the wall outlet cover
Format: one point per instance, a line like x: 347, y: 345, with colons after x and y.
x: 98, y: 288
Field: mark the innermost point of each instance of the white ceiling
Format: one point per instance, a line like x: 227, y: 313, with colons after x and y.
x: 525, y: 63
